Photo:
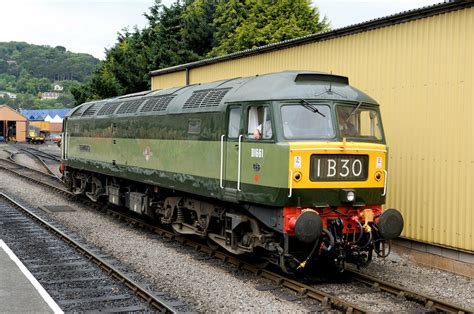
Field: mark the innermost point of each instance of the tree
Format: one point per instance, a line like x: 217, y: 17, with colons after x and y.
x: 197, y: 30
x: 28, y: 69
x: 247, y: 24
x: 61, y: 49
x: 126, y: 65
x: 164, y: 37
x: 191, y: 30
x: 229, y: 16
x: 81, y: 94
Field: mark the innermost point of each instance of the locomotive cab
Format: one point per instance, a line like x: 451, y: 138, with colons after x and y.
x: 337, y: 182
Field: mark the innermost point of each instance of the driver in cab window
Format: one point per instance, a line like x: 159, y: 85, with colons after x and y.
x: 259, y: 123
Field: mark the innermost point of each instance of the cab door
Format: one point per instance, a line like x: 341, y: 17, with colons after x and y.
x: 231, y: 153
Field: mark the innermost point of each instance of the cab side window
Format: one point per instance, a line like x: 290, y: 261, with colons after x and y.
x: 234, y: 123
x: 259, y: 123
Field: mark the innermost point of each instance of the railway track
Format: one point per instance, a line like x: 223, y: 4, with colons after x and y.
x: 429, y: 302
x: 45, y: 160
x: 43, y: 154
x: 31, y: 174
x: 303, y: 290
x: 41, y: 159
x: 78, y: 282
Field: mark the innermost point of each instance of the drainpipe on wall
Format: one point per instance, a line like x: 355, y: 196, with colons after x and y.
x: 187, y: 76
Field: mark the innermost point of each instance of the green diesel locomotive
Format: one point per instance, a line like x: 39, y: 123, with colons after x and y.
x: 291, y: 166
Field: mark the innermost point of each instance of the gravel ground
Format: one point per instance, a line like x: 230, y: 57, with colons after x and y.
x: 426, y: 280
x: 376, y: 302
x: 206, y: 284
x: 211, y: 286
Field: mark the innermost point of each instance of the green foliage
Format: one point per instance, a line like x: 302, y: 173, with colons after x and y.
x: 247, y: 24
x: 164, y: 37
x: 191, y: 30
x: 44, y: 61
x: 229, y: 16
x: 197, y: 30
x: 26, y: 70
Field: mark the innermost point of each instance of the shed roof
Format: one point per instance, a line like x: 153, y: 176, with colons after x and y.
x: 41, y: 114
x: 406, y: 16
x: 8, y: 114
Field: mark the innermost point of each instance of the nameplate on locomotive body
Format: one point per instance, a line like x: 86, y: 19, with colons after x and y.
x: 339, y: 167
x: 84, y: 148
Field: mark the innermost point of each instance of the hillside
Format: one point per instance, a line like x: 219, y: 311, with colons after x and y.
x: 29, y: 70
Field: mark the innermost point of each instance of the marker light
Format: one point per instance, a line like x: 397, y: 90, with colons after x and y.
x: 297, y: 176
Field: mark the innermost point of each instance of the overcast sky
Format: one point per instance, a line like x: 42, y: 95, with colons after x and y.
x: 90, y: 26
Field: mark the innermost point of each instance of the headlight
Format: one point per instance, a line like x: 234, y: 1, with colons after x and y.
x: 347, y: 195
x: 350, y: 196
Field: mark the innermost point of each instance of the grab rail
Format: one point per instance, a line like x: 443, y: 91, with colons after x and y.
x: 385, y: 183
x: 238, y: 163
x: 221, y: 183
x: 291, y: 184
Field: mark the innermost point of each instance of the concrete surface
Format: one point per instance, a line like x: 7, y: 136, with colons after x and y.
x: 17, y: 292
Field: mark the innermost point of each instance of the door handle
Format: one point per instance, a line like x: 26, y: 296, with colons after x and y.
x: 236, y: 146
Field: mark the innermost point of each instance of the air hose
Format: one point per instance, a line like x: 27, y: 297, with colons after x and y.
x: 316, y: 243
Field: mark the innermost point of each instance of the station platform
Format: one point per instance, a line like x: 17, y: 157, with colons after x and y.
x: 20, y: 292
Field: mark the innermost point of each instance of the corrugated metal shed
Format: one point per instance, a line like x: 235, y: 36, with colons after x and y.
x: 419, y: 65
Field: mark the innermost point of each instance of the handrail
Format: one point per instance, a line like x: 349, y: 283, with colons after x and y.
x: 291, y: 184
x: 238, y: 163
x: 221, y: 183
x: 385, y: 183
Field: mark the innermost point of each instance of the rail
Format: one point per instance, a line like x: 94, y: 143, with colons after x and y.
x: 408, y: 294
x: 155, y: 301
x: 11, y: 161
x: 37, y: 157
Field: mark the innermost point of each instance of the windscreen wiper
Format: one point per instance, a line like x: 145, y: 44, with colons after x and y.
x: 310, y: 107
x: 352, y: 112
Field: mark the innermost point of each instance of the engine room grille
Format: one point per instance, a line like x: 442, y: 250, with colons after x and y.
x: 129, y: 106
x: 92, y: 109
x: 108, y: 108
x: 207, y: 98
x: 159, y: 103
x: 79, y: 112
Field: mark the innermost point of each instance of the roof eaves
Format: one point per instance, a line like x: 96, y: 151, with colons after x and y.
x: 402, y: 17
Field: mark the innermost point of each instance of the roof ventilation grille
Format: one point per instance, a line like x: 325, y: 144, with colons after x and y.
x: 108, y: 108
x: 91, y: 110
x: 159, y: 103
x: 79, y: 111
x: 205, y: 98
x: 129, y: 106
